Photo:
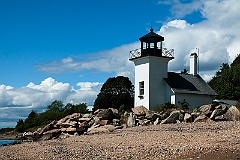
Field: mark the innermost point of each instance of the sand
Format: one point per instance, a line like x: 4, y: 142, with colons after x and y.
x: 215, y: 140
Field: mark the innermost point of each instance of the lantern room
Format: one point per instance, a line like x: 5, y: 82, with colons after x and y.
x: 151, y: 44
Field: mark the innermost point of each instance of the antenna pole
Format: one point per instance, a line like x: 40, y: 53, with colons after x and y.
x: 198, y: 60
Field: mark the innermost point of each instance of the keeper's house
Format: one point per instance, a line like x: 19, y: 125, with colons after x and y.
x: 154, y: 85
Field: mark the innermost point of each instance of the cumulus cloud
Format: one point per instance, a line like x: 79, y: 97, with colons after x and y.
x: 17, y: 103
x: 216, y: 37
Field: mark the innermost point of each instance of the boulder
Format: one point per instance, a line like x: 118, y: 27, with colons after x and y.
x: 105, y: 114
x: 222, y: 106
x: 103, y: 122
x: 64, y: 135
x: 97, y: 130
x: 48, y: 127
x: 27, y: 134
x: 71, y: 129
x: 220, y: 118
x: 172, y: 118
x: 195, y: 115
x: 187, y: 118
x: 143, y: 122
x: 72, y: 117
x: 116, y: 122
x: 83, y: 119
x: 77, y: 129
x: 84, y: 124
x: 203, y: 118
x: 155, y: 116
x: 140, y: 111
x: 110, y: 128
x: 115, y: 111
x: 131, y: 122
x: 157, y: 121
x: 164, y: 115
x: 68, y: 124
x: 232, y: 114
x: 217, y: 112
x: 54, y: 133
x: 181, y: 115
x: 207, y: 109
x: 87, y: 115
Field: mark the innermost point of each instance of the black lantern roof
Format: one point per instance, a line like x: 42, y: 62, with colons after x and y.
x: 151, y: 36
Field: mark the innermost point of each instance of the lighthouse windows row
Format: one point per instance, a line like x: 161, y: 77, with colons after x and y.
x: 141, y: 88
x: 152, y: 45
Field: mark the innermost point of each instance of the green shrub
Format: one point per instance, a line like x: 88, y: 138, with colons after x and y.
x: 166, y: 107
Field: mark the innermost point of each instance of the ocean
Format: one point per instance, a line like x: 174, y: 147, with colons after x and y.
x: 6, y: 142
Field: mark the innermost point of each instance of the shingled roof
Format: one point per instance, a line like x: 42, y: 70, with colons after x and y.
x: 188, y: 84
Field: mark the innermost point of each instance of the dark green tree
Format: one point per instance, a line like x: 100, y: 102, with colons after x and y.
x: 226, y: 82
x: 75, y: 108
x: 31, y: 120
x: 115, y: 92
x: 20, y: 126
x: 56, y: 106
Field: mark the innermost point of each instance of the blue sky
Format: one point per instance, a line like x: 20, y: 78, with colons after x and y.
x: 36, y: 32
x: 65, y: 50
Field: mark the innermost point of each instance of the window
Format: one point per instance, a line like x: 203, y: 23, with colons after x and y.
x: 141, y: 88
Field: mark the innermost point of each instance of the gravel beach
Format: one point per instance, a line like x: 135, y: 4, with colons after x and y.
x: 215, y: 140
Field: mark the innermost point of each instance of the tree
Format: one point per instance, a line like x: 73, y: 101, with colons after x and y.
x: 20, y: 126
x: 31, y: 120
x: 115, y: 92
x: 56, y: 106
x: 227, y: 80
x: 75, y: 108
x: 55, y: 111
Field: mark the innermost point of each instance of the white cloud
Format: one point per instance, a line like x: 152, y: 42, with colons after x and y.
x: 86, y: 86
x: 217, y: 37
x: 17, y: 103
x: 180, y: 8
x: 114, y: 60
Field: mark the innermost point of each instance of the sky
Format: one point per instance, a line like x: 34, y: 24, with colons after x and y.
x: 65, y: 50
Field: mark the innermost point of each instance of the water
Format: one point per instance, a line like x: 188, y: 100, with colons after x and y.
x: 6, y: 141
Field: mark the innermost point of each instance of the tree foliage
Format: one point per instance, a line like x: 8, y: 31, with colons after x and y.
x: 115, y: 92
x: 56, y: 106
x: 226, y: 82
x: 55, y: 111
x: 6, y: 130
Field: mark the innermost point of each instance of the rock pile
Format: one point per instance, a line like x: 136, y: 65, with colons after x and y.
x: 107, y: 120
x: 103, y: 120
x: 206, y: 113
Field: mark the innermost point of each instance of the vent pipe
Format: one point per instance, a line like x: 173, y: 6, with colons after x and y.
x: 193, y: 64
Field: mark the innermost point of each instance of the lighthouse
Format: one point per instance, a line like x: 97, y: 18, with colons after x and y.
x: 151, y: 67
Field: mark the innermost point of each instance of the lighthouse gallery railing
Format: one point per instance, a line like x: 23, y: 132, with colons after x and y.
x: 165, y: 53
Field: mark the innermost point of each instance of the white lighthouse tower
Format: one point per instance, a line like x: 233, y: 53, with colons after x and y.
x: 151, y: 66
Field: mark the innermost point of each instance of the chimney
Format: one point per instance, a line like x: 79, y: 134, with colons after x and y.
x: 193, y: 64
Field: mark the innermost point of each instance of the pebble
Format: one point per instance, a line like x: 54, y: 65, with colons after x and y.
x: 193, y: 141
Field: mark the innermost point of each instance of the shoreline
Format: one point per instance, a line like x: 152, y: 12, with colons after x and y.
x: 8, y: 137
x: 215, y: 140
